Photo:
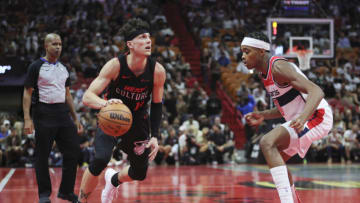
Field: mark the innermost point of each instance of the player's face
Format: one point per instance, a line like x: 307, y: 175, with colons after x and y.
x: 54, y: 47
x: 141, y: 44
x: 249, y: 57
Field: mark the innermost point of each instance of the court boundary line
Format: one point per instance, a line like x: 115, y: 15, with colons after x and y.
x: 6, y: 179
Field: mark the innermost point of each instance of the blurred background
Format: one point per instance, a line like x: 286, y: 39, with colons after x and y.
x: 208, y: 88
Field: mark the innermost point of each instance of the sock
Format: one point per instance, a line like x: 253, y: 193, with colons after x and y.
x: 114, y: 180
x: 282, y: 183
x: 293, y: 190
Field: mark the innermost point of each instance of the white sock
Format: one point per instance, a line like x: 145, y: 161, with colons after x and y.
x: 293, y: 190
x: 282, y: 183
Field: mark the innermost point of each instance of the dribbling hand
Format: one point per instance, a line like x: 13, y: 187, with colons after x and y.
x: 254, y: 119
x: 113, y: 101
x: 153, y: 144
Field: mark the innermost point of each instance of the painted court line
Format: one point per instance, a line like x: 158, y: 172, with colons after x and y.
x: 6, y: 179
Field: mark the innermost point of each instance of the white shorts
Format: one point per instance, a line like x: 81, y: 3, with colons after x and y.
x: 316, y: 128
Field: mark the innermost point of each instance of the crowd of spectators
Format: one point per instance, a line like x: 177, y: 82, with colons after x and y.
x: 191, y: 131
x: 219, y: 27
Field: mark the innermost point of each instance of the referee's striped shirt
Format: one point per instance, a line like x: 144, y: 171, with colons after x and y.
x: 49, y: 81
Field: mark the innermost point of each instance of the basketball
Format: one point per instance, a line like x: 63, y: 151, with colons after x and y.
x: 115, y: 119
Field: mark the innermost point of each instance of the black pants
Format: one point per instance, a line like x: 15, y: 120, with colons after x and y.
x: 67, y: 142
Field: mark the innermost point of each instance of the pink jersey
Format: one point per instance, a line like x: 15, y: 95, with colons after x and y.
x: 289, y: 101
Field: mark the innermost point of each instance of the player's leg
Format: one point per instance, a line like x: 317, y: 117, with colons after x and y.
x: 292, y: 183
x: 44, y: 137
x: 133, y: 143
x: 68, y: 144
x: 271, y: 144
x: 104, y: 145
x: 137, y: 170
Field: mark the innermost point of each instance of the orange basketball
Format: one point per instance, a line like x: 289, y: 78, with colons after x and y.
x: 115, y: 119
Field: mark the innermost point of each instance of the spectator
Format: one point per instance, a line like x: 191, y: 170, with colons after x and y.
x: 343, y: 41
x: 334, y: 143
x: 213, y: 105
x: 13, y: 149
x: 246, y: 103
x: 351, y: 142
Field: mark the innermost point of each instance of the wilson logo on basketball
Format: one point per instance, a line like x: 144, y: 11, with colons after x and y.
x: 119, y: 117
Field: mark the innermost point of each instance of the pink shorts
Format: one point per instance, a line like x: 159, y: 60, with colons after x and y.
x: 316, y: 128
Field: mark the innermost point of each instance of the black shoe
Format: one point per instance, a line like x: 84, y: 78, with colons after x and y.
x: 44, y: 200
x: 70, y: 197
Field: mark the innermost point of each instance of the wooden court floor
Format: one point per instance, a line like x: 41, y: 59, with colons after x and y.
x: 316, y: 183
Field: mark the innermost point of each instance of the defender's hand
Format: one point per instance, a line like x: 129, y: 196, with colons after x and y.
x: 298, y: 124
x: 254, y: 119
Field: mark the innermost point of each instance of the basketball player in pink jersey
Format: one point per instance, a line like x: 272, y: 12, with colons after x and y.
x: 301, y: 102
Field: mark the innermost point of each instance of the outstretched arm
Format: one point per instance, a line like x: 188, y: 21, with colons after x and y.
x: 271, y: 114
x: 256, y: 118
x: 109, y: 72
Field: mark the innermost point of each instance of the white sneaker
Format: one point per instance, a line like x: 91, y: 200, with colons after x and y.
x: 107, y: 194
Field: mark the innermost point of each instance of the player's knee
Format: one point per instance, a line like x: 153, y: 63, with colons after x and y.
x: 137, y: 173
x: 265, y: 143
x: 98, y: 165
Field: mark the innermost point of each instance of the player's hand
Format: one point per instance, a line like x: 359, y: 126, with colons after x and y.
x: 298, y: 124
x: 28, y: 126
x: 153, y: 144
x: 254, y: 118
x: 113, y: 101
x: 79, y: 127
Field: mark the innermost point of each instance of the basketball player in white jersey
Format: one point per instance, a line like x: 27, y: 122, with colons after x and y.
x: 301, y: 102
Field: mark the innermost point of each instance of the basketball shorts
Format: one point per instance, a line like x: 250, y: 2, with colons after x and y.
x: 315, y: 129
x: 132, y: 142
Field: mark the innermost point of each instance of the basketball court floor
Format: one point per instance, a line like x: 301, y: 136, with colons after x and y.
x: 243, y: 183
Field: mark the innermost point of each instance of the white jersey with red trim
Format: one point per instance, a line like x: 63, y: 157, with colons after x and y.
x: 288, y: 100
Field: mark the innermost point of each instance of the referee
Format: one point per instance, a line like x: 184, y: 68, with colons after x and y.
x: 47, y: 91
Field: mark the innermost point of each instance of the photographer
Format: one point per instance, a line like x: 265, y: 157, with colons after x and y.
x: 217, y: 145
x: 190, y: 152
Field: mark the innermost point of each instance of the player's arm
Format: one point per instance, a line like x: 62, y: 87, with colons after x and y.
x: 257, y: 117
x: 157, y: 97
x: 271, y: 113
x: 156, y: 109
x: 109, y: 72
x: 285, y: 73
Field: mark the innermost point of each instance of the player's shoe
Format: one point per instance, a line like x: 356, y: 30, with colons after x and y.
x: 71, y: 197
x: 107, y: 194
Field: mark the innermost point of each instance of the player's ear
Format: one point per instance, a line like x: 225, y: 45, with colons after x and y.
x: 262, y: 52
x: 129, y: 44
